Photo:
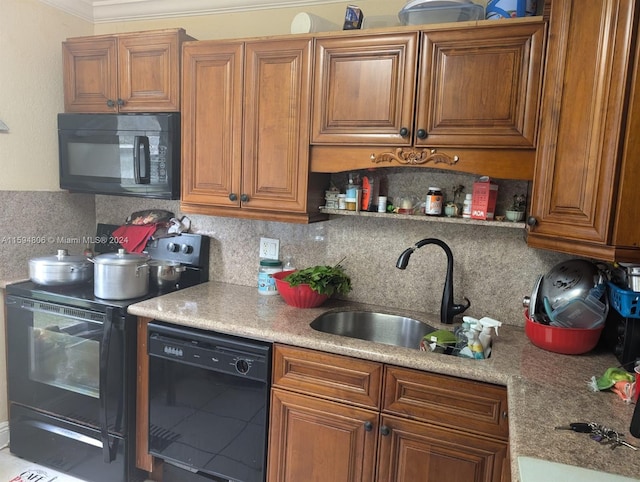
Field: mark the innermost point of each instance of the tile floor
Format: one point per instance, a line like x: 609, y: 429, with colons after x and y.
x: 15, y: 469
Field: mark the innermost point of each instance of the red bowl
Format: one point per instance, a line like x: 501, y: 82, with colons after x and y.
x: 301, y: 296
x: 568, y: 341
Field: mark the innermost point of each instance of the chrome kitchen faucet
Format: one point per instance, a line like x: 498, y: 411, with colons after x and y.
x: 447, y: 309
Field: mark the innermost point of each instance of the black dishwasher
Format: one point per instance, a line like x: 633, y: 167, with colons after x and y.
x: 208, y: 404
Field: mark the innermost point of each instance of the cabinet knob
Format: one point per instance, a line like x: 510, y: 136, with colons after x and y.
x: 120, y: 102
x: 532, y: 221
x: 404, y: 132
x: 384, y: 430
x: 110, y: 103
x: 233, y: 197
x: 368, y: 426
x: 244, y: 198
x: 422, y: 134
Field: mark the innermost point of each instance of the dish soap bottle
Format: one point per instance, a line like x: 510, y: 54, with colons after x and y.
x: 475, y: 346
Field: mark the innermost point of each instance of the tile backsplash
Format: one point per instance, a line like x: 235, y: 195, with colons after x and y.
x: 493, y: 267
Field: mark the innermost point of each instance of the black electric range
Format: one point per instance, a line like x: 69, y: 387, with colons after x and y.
x: 71, y: 360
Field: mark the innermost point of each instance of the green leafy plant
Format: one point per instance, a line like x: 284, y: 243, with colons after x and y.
x: 323, y: 279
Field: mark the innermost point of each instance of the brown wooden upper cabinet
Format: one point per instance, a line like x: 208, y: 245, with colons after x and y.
x: 134, y: 72
x: 584, y: 199
x: 245, y: 130
x: 465, y: 87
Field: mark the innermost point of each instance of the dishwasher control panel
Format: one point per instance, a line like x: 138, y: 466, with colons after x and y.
x: 209, y: 350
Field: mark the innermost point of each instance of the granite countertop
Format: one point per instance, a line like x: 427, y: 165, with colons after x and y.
x: 544, y: 389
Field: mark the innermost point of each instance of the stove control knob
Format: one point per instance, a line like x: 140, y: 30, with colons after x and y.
x: 242, y: 365
x: 173, y: 247
x: 186, y: 249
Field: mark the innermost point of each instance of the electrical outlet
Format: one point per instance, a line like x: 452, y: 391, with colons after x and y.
x: 269, y: 248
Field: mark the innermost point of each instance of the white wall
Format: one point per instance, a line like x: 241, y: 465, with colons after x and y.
x: 31, y: 91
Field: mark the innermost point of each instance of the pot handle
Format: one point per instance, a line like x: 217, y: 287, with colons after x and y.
x: 139, y: 267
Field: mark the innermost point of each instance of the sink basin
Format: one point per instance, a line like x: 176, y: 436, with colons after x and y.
x: 377, y: 327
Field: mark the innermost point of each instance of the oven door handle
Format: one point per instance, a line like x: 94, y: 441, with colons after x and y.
x: 141, y: 146
x: 108, y: 451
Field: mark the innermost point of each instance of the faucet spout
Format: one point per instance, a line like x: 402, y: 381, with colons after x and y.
x: 448, y: 309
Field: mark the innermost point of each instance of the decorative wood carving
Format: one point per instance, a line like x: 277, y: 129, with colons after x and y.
x: 414, y: 157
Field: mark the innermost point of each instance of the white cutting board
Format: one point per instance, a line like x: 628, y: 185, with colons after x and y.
x: 538, y: 470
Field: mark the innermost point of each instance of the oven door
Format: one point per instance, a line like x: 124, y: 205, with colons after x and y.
x: 67, y: 362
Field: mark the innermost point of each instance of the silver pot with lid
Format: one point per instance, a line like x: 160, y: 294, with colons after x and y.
x: 120, y: 275
x: 60, y: 269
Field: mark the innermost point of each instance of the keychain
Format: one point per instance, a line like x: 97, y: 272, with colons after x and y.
x: 599, y: 433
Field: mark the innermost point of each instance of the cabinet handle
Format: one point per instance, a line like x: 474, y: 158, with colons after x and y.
x: 532, y: 221
x: 422, y: 134
x: 368, y: 426
x: 384, y: 430
x: 244, y: 198
x: 404, y: 132
x: 110, y: 103
x: 120, y: 102
x: 505, y: 415
x: 233, y: 197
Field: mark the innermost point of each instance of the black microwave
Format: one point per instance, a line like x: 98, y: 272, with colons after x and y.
x: 124, y: 155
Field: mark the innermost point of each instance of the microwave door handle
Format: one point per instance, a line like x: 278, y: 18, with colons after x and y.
x: 141, y: 146
x: 107, y: 449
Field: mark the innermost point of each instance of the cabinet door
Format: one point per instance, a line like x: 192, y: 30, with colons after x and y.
x: 275, y: 159
x: 574, y: 187
x: 90, y: 75
x: 411, y: 451
x: 364, y: 89
x: 212, y: 123
x: 148, y: 72
x: 314, y: 440
x: 480, y: 87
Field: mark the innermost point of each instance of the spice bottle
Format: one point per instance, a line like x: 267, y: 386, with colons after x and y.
x: 266, y: 283
x: 466, y: 206
x: 433, y: 205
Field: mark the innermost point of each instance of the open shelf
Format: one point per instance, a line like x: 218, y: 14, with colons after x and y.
x: 428, y: 219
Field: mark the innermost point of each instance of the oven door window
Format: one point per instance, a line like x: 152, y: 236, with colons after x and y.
x: 65, y: 353
x: 54, y: 355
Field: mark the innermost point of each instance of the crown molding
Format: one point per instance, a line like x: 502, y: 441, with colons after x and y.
x: 104, y: 11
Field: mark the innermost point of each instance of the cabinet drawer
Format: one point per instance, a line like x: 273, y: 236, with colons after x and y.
x: 456, y: 402
x: 334, y: 377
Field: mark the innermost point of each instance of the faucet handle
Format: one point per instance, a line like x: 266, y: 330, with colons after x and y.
x: 457, y: 309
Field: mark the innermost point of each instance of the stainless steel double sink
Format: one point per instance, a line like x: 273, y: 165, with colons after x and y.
x: 371, y: 326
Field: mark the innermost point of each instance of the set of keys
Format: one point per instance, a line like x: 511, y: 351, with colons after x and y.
x: 599, y: 433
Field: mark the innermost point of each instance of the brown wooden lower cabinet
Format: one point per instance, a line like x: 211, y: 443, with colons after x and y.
x: 334, y: 435
x: 315, y: 440
x: 415, y: 451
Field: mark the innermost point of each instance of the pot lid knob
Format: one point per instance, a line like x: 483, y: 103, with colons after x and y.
x: 62, y: 253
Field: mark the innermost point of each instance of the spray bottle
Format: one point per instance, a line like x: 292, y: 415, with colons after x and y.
x: 472, y: 329
x: 485, y: 325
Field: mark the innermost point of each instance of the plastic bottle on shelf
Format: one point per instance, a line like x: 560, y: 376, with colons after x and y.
x: 466, y: 206
x: 433, y: 204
